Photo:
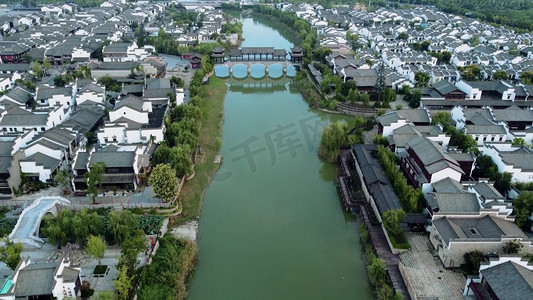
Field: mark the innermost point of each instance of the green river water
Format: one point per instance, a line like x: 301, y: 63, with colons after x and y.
x: 272, y: 226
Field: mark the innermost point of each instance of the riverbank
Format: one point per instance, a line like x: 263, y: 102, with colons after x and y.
x: 209, y: 139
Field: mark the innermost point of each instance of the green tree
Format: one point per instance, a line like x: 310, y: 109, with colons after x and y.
x: 63, y: 177
x: 122, y: 224
x: 93, y: 178
x: 512, y: 247
x: 403, y: 36
x: 333, y: 137
x: 380, y: 140
x: 377, y: 272
x: 523, y: 206
x: 10, y: 253
x: 46, y: 66
x: 95, y: 247
x: 500, y: 75
x: 422, y: 79
x: 85, y: 223
x: 474, y: 259
x: 164, y: 182
x: 181, y: 160
x: 59, y: 230
x: 527, y: 77
x: 520, y: 142
x: 392, y: 219
x: 36, y: 69
x: 123, y: 283
x: 130, y: 249
x: 103, y: 295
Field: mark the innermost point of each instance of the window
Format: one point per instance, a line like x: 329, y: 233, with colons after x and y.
x: 42, y: 101
x: 68, y: 103
x: 473, y: 231
x: 124, y: 112
x: 42, y: 128
x: 484, y: 138
x: 501, y: 138
x: 492, y: 139
x: 105, y: 139
x: 4, y: 129
x: 34, y: 128
x: 10, y: 129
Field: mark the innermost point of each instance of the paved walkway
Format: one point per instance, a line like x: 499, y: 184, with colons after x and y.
x: 383, y: 251
x: 425, y: 275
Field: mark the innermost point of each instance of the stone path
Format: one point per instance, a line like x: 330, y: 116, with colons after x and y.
x: 425, y: 274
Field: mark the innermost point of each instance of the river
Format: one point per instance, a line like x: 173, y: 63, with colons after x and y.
x: 272, y: 226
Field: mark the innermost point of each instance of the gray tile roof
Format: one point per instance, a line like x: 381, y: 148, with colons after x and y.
x: 21, y: 117
x: 81, y: 161
x: 432, y: 155
x: 415, y: 115
x: 113, y: 159
x: 130, y: 101
x: 44, y: 92
x: 448, y: 186
x: 485, y: 129
x: 476, y: 229
x: 510, y: 281
x: 455, y: 203
x: 513, y: 113
x: 487, y: 191
x: 116, y: 48
x: 35, y: 280
x: 522, y: 159
x: 19, y: 95
x: 44, y: 160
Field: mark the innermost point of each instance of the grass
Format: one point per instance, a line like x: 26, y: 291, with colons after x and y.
x: 399, y: 241
x: 193, y: 191
x: 100, y: 271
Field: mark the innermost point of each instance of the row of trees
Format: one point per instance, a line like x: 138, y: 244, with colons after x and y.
x: 457, y: 138
x: 306, y: 35
x: 412, y: 199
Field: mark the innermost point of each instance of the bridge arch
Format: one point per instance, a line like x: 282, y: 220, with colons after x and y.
x: 26, y: 230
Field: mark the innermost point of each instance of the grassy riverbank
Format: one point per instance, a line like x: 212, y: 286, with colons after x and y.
x: 210, y: 139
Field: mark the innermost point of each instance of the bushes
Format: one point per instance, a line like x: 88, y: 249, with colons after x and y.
x: 7, y: 225
x: 411, y: 199
x: 150, y: 224
x: 166, y: 277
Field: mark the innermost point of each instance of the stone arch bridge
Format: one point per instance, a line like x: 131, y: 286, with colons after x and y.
x: 26, y: 230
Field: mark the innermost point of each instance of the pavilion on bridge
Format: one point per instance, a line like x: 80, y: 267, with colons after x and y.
x: 258, y: 53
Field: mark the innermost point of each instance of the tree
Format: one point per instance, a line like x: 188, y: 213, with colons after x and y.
x: 122, y: 224
x: 103, y: 295
x: 93, y: 178
x: 85, y: 223
x: 377, y: 272
x: 527, y: 77
x: 10, y: 253
x: 59, y: 81
x: 380, y: 140
x: 414, y: 99
x: 36, y: 69
x: 60, y: 229
x: 333, y: 137
x: 63, y: 177
x: 123, y: 283
x: 46, y: 65
x: 523, y: 206
x: 422, y: 79
x: 500, y: 75
x: 512, y: 247
x: 164, y: 182
x: 392, y: 219
x: 130, y: 250
x: 520, y: 142
x: 95, y: 247
x: 177, y: 82
x: 474, y: 259
x: 403, y: 36
x: 181, y: 160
